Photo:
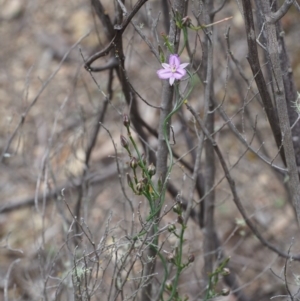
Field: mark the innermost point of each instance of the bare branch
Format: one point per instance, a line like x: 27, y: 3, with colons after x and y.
x: 119, y: 29
x: 236, y: 198
x: 257, y: 73
x: 278, y: 85
x: 272, y: 18
x: 217, y: 9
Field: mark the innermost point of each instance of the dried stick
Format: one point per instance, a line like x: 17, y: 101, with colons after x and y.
x: 209, y: 245
x: 278, y: 86
x: 119, y: 30
x: 93, y: 179
x: 228, y: 120
x: 91, y: 144
x: 236, y: 198
x: 104, y: 17
x: 117, y: 54
x: 285, y: 276
x: 258, y: 75
x: 239, y: 90
x: 272, y: 18
x: 289, y: 88
x: 288, y: 80
x: 211, y: 242
x: 216, y: 10
x: 166, y: 14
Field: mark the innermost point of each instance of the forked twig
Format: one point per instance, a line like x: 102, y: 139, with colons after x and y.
x: 236, y: 198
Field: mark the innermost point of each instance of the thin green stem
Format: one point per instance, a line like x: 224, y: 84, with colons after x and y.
x: 178, y: 263
x: 142, y: 165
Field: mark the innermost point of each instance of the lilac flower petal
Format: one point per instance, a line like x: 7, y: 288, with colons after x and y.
x: 164, y: 73
x: 171, y: 81
x: 174, y: 60
x: 179, y: 73
x: 182, y: 66
x: 166, y: 66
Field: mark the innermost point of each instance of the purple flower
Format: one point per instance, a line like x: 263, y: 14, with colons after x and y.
x: 173, y: 70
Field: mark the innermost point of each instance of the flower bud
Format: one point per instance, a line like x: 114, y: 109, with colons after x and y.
x: 177, y: 208
x: 169, y: 285
x: 225, y: 271
x: 191, y: 258
x: 124, y: 141
x: 140, y: 187
x: 151, y: 170
x: 144, y: 180
x: 133, y: 163
x: 186, y: 21
x: 126, y: 121
x: 170, y: 257
x: 171, y: 228
x: 225, y: 292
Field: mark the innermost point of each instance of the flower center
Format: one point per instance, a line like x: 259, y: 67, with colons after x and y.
x: 173, y: 68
